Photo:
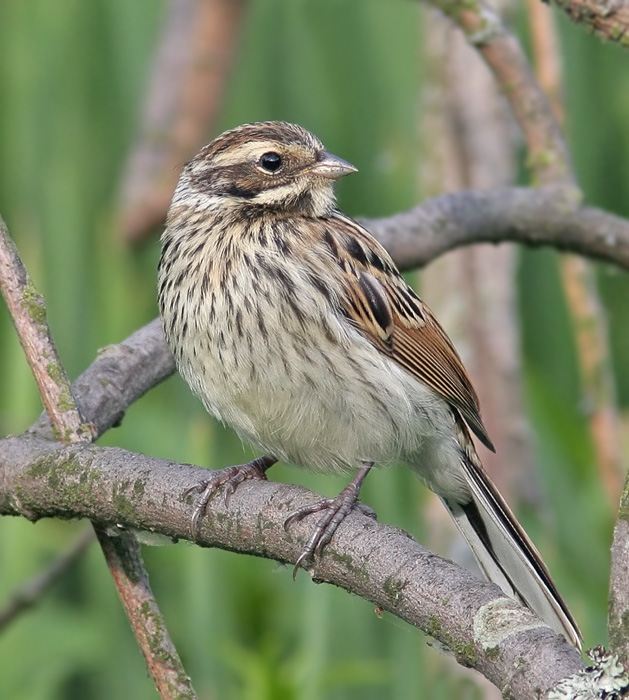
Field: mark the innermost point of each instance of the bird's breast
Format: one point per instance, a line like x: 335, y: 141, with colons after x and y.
x: 264, y: 343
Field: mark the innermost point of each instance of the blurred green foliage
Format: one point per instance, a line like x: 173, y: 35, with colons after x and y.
x: 72, y: 79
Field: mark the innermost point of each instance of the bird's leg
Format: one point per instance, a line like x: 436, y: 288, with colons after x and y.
x: 229, y: 477
x: 335, y: 511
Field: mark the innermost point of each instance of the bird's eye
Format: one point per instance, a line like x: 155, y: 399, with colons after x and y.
x: 271, y: 162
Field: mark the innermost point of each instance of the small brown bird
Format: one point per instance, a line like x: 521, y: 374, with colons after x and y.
x: 294, y: 327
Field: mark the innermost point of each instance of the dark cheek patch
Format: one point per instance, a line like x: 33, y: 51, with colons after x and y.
x: 233, y: 189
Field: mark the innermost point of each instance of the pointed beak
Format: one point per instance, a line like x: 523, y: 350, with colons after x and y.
x: 332, y: 167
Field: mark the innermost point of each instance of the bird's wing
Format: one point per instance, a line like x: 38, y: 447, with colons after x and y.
x: 390, y: 315
x: 388, y: 312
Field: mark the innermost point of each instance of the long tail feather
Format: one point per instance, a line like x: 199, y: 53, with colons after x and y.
x: 506, y: 555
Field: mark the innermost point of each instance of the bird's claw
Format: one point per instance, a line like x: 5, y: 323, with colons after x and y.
x: 230, y: 478
x: 336, y: 511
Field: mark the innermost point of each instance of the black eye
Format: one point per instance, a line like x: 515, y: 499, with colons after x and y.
x: 271, y: 162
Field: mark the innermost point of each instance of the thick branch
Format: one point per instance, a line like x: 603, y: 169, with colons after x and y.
x: 469, y: 617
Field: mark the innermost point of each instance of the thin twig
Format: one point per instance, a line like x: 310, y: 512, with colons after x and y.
x: 122, y: 553
x: 28, y: 311
x: 579, y: 281
x: 29, y: 593
x: 607, y: 19
x: 189, y: 74
x: 549, y: 158
x: 618, y: 621
x: 546, y: 57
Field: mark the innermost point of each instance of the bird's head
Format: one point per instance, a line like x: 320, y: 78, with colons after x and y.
x: 264, y: 166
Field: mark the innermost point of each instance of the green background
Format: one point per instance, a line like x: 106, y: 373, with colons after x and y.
x: 72, y: 79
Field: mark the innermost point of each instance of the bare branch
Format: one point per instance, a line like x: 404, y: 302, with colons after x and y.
x: 120, y: 375
x: 619, y: 590
x: 545, y: 216
x: 546, y: 54
x: 28, y: 594
x: 28, y: 311
x: 471, y: 618
x: 607, y: 19
x: 122, y: 553
x: 190, y: 71
x: 549, y: 157
x: 581, y: 289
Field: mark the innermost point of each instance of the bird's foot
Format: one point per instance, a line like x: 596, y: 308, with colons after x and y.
x: 335, y: 511
x: 230, y: 478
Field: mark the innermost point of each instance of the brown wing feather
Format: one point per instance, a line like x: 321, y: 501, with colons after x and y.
x: 388, y: 312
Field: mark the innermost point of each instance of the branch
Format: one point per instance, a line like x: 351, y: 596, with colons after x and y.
x: 546, y: 55
x: 534, y: 217
x: 124, y: 560
x: 119, y: 375
x: 619, y: 591
x: 28, y: 311
x: 549, y: 157
x: 471, y: 618
x: 189, y: 74
x: 29, y: 593
x: 607, y: 19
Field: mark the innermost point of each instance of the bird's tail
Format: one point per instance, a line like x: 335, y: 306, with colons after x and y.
x: 505, y: 553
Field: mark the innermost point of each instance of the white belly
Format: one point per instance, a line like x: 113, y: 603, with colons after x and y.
x: 294, y: 377
x: 326, y: 405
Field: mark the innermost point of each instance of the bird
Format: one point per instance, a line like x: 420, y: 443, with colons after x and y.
x: 294, y: 326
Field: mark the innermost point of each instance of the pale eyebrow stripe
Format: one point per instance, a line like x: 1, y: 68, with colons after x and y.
x: 245, y: 152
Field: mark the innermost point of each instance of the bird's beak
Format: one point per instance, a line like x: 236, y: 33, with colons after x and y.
x: 332, y: 167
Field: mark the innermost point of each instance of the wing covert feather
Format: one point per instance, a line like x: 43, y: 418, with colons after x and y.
x: 389, y: 313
